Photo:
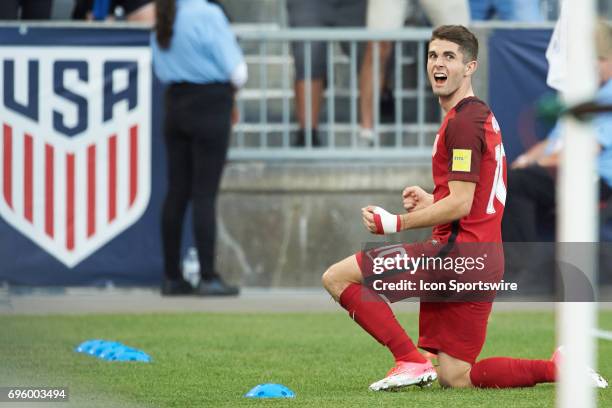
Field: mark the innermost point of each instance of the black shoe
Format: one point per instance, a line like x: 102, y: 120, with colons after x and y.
x: 176, y: 287
x: 215, y: 287
x: 301, y: 138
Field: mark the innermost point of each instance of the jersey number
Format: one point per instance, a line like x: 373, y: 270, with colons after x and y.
x: 499, y: 188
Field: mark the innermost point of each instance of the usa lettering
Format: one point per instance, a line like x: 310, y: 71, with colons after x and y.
x: 79, y: 102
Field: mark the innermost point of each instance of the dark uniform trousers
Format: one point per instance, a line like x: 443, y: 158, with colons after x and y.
x: 197, y: 131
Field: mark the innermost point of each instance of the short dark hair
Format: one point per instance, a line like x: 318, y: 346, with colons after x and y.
x: 458, y: 34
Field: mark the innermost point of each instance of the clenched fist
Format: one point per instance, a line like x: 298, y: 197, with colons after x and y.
x: 415, y: 198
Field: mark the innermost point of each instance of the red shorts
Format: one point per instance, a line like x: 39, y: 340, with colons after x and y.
x: 457, y: 328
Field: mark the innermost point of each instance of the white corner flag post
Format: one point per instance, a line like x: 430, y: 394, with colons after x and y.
x: 577, y: 208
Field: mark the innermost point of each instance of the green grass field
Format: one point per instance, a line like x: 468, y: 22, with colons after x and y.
x: 211, y: 360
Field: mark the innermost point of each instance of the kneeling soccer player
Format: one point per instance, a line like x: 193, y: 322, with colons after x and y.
x: 469, y: 171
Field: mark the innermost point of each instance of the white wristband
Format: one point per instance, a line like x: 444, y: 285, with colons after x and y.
x: 386, y: 223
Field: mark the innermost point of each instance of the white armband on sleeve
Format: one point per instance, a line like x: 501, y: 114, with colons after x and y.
x: 386, y: 223
x: 240, y: 75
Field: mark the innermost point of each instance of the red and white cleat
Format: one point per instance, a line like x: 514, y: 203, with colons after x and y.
x: 596, y: 379
x: 405, y: 374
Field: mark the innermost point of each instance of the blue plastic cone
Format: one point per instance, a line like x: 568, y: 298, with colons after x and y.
x: 113, y: 350
x: 87, y: 345
x: 130, y: 355
x: 102, y: 347
x: 270, y: 391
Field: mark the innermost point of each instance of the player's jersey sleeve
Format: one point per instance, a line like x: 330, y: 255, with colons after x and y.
x: 465, y: 142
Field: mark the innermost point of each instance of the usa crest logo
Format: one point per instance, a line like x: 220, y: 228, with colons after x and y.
x: 75, y: 144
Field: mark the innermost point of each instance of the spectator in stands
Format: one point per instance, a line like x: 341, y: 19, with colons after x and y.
x: 531, y: 179
x: 390, y: 15
x: 133, y: 10
x: 196, y: 54
x: 507, y: 10
x: 317, y: 13
x: 25, y: 9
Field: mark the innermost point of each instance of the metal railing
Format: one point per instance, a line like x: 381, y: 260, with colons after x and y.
x: 267, y: 126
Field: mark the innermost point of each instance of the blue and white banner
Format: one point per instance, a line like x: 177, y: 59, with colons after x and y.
x: 517, y: 80
x: 76, y: 154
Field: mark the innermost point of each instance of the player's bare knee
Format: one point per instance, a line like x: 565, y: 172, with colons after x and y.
x: 443, y: 380
x: 453, y: 373
x: 444, y: 377
x: 454, y: 379
x: 327, y: 278
x: 330, y: 279
x: 334, y: 281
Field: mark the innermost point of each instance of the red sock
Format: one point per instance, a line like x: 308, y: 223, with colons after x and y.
x: 504, y: 372
x: 375, y: 316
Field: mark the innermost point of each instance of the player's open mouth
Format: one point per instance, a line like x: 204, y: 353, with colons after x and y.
x: 440, y: 78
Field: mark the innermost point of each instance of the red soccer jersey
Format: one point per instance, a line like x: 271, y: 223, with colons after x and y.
x: 469, y: 147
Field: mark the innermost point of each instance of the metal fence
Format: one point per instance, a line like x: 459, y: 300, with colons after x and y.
x: 267, y: 106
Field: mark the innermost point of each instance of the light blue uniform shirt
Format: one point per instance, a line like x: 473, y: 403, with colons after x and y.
x: 203, y: 48
x: 602, y: 123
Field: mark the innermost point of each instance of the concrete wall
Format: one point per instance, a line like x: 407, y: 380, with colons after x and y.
x: 283, y: 224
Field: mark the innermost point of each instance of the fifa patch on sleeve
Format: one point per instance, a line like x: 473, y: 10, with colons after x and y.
x: 462, y: 160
